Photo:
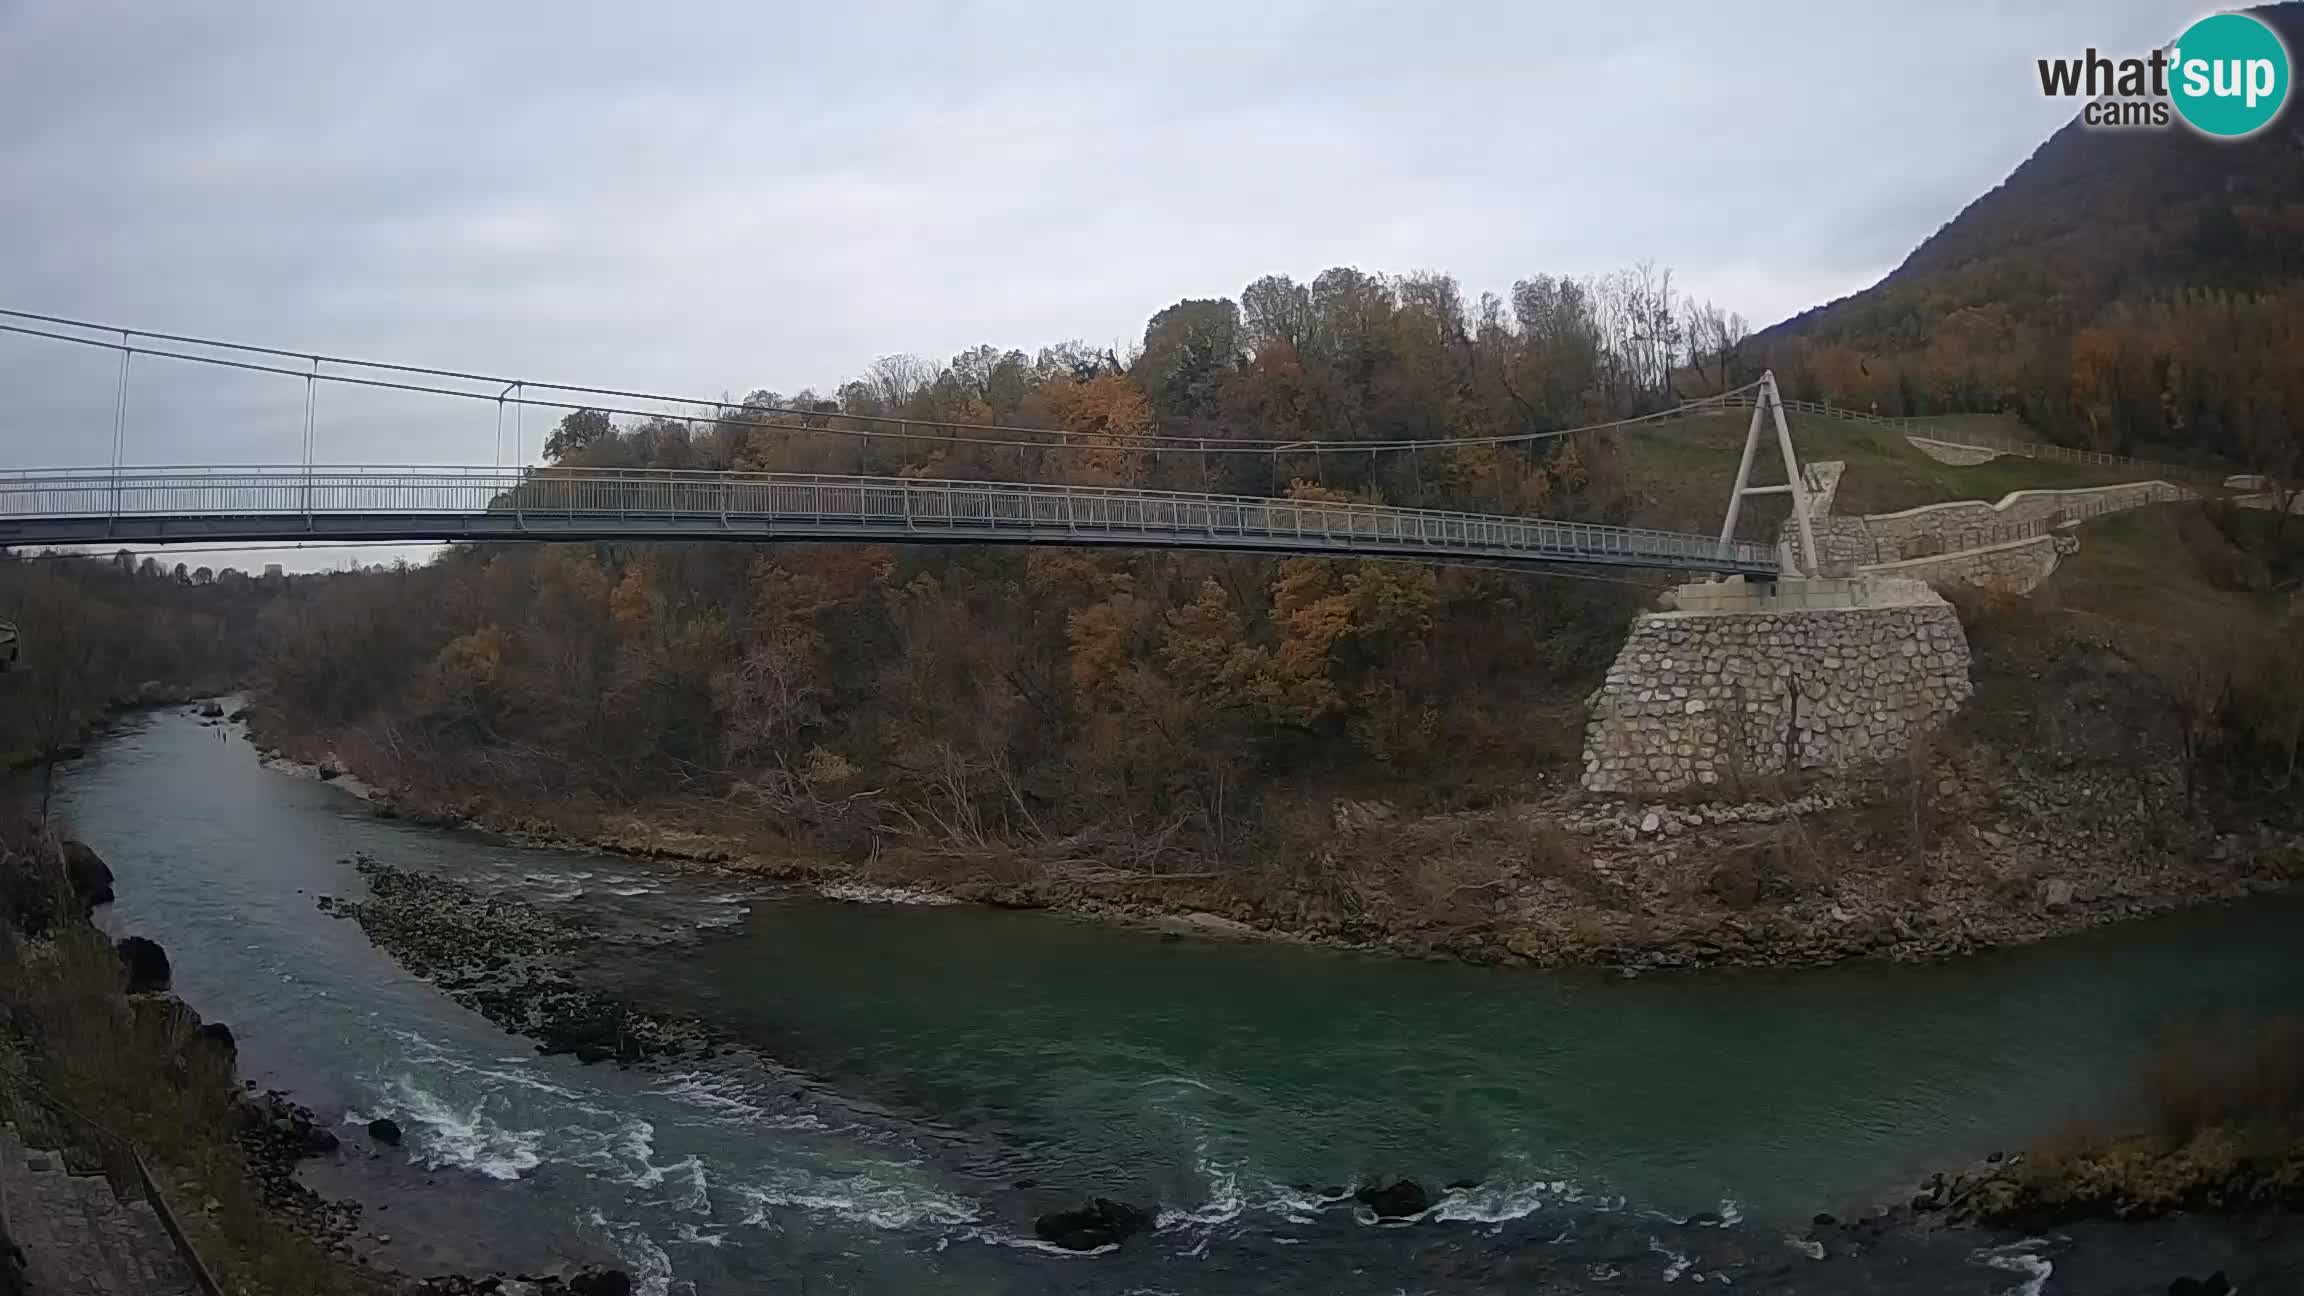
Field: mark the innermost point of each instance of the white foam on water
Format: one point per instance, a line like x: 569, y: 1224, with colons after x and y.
x: 1225, y: 1200
x: 517, y: 1071
x: 467, y: 1138
x: 993, y: 1237
x: 1291, y: 1205
x: 691, y: 1189
x: 1370, y: 1218
x: 688, y: 1235
x: 624, y: 1153
x: 730, y: 1099
x: 1675, y: 1264
x: 1731, y: 1212
x: 2017, y: 1257
x: 648, y: 1264
x: 858, y: 1197
x: 1494, y: 1203
x: 1808, y: 1247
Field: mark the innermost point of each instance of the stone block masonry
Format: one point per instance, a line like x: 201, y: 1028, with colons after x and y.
x: 1759, y: 684
x: 2017, y: 567
x: 1965, y: 524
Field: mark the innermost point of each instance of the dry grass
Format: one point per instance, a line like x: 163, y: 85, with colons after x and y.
x: 2226, y: 1111
x: 1770, y: 864
x: 2231, y: 1078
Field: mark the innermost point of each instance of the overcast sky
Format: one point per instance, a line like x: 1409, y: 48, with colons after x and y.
x: 714, y: 197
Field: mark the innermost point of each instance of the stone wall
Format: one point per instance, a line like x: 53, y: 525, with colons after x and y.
x: 1939, y: 528
x: 1949, y: 452
x: 1698, y: 698
x: 2016, y: 567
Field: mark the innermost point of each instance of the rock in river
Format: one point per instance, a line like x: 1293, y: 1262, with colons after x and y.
x: 589, y: 1281
x: 1396, y: 1200
x: 385, y: 1130
x: 1102, y: 1222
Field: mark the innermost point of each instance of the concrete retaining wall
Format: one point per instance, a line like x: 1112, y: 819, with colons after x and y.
x: 1949, y: 452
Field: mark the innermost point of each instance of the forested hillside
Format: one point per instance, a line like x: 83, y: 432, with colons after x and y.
x: 950, y: 698
x: 2139, y: 291
x: 97, y: 631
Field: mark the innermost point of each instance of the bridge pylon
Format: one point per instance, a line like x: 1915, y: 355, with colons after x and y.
x: 1766, y: 402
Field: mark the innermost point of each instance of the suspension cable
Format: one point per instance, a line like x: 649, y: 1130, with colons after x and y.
x: 1056, y: 439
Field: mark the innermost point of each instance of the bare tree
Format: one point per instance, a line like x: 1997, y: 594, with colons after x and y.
x: 897, y: 379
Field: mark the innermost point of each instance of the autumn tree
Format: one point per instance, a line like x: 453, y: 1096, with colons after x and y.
x: 576, y: 431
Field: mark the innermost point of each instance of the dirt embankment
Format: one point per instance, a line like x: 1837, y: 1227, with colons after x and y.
x: 2058, y: 802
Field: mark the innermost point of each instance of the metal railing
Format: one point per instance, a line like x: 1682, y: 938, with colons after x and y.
x: 43, y: 1118
x: 449, y: 503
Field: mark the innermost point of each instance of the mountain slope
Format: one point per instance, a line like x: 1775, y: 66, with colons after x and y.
x: 2109, y: 276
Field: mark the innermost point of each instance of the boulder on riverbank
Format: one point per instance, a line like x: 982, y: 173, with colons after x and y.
x: 1102, y: 1222
x: 218, y: 1036
x: 88, y: 874
x: 146, y: 964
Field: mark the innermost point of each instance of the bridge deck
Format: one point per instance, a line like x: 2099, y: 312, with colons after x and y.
x: 161, y: 505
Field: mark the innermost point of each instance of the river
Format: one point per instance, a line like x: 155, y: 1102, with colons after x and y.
x: 921, y: 1080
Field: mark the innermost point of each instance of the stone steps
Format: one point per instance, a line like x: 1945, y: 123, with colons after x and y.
x: 77, y: 1237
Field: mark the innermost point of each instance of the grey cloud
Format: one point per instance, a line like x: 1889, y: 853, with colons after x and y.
x: 714, y: 197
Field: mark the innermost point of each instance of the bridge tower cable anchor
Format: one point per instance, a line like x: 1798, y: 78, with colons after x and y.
x: 1768, y: 401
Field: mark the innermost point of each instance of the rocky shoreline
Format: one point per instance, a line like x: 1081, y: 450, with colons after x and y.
x: 511, y: 963
x: 1568, y: 879
x: 273, y: 1134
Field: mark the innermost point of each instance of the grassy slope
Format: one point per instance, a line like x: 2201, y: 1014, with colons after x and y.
x: 1681, y: 471
x: 2166, y: 567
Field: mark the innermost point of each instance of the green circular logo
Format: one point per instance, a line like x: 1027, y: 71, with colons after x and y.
x: 2228, y: 75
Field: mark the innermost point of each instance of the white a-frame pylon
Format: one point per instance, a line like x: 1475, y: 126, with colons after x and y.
x: 1766, y: 402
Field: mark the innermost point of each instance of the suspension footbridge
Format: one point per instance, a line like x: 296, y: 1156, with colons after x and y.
x: 211, y: 505
x: 123, y: 503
